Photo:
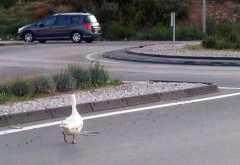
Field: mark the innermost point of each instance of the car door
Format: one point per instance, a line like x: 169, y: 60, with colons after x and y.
x: 44, y: 28
x: 62, y: 27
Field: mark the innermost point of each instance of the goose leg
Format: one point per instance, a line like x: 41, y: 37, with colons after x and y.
x: 64, y: 136
x: 73, y: 141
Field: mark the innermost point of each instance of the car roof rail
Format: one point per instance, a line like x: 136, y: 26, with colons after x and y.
x: 73, y: 13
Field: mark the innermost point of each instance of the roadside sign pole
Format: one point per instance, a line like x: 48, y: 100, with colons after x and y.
x: 204, y: 16
x: 173, y: 25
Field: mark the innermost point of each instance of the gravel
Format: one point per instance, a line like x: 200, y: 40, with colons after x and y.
x: 127, y: 89
x: 181, y: 50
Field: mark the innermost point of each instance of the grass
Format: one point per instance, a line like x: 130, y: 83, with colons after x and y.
x: 194, y: 47
x: 199, y: 47
x: 6, y: 98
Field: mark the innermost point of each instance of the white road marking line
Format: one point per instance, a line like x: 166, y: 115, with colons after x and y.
x: 27, y: 128
x: 237, y: 88
x: 5, y: 132
x: 90, y: 58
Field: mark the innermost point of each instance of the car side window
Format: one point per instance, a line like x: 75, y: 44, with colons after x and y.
x: 63, y: 20
x: 49, y: 21
x: 76, y: 20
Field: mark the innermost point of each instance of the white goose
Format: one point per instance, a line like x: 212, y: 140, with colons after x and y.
x: 73, y: 124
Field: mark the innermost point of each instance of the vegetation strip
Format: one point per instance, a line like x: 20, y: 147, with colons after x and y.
x: 73, y: 78
x: 222, y: 36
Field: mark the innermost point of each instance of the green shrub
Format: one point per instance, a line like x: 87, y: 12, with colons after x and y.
x: 7, y: 3
x: 82, y: 76
x: 221, y: 44
x: 209, y: 42
x: 64, y: 82
x: 224, y: 29
x: 211, y: 25
x: 236, y: 45
x: 116, y: 31
x: 115, y: 82
x: 223, y: 36
x: 188, y: 33
x: 44, y: 85
x: 5, y: 89
x: 4, y: 93
x: 3, y: 97
x: 75, y: 77
x: 98, y: 75
x: 161, y: 32
x: 233, y: 37
x: 157, y: 33
x: 21, y: 87
x: 94, y: 76
x: 8, y: 31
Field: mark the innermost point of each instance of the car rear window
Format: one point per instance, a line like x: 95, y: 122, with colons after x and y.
x: 90, y: 19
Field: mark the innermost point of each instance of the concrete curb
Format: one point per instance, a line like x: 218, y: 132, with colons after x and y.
x: 127, y: 55
x: 21, y: 118
x: 10, y: 43
x: 129, y: 51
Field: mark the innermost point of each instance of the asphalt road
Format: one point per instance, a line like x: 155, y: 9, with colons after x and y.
x: 33, y: 59
x: 203, y: 133
x: 18, y: 61
x: 200, y: 133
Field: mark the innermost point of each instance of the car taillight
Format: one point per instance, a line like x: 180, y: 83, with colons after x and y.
x: 88, y: 26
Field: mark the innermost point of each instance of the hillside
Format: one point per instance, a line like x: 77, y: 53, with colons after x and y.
x: 123, y: 18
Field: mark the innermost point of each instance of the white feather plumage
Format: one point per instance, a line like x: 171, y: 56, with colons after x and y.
x: 73, y: 124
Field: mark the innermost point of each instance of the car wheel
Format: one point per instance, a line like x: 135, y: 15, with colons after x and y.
x: 89, y: 40
x: 28, y: 37
x: 42, y: 41
x: 76, y: 37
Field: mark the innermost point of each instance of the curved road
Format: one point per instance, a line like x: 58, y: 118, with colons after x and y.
x: 18, y: 61
x: 203, y: 132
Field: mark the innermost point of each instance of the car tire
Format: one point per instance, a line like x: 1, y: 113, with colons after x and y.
x: 89, y: 40
x: 76, y: 37
x: 42, y: 41
x: 28, y: 37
